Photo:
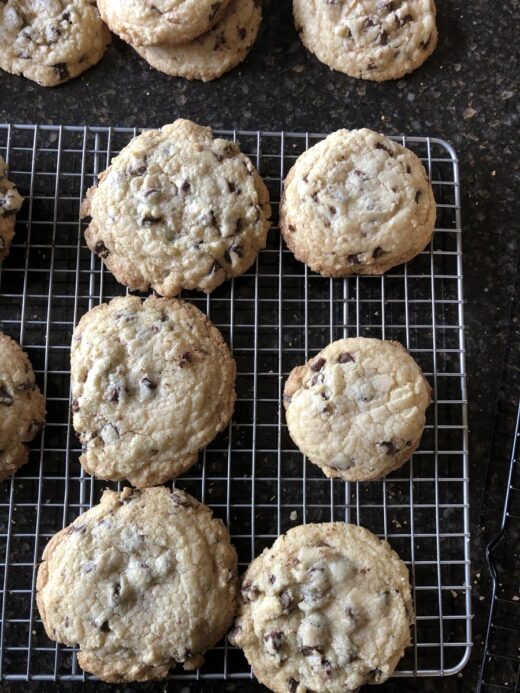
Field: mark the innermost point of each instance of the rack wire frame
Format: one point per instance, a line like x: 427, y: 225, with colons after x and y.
x: 274, y: 317
x: 500, y: 670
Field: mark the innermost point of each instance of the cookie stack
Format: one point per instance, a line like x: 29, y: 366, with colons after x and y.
x: 195, y: 39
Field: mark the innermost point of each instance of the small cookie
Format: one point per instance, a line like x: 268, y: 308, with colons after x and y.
x: 370, y: 39
x: 357, y: 203
x: 152, y: 384
x: 177, y: 210
x: 326, y: 608
x: 357, y: 409
x: 141, y: 582
x: 219, y: 50
x: 10, y: 203
x: 50, y: 42
x: 22, y: 406
x: 145, y: 23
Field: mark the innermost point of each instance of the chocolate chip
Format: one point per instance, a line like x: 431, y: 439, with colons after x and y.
x: 274, y: 641
x: 390, y: 447
x: 250, y: 592
x: 287, y: 601
x: 148, y: 220
x: 367, y: 23
x: 215, y: 7
x: 425, y: 44
x: 354, y: 259
x: 327, y: 666
x: 232, y: 187
x: 237, y: 249
x: 418, y: 196
x: 146, y: 382
x: 75, y: 406
x: 345, y: 357
x: 378, y: 252
x: 309, y: 651
x: 180, y: 499
x: 116, y: 593
x: 292, y: 228
x: 101, y: 250
x: 186, y: 187
x: 242, y: 33
x: 382, y: 39
x: 5, y: 397
x: 62, y: 71
x: 235, y: 632
x: 272, y: 579
x: 238, y: 226
x: 138, y: 168
x: 112, y: 394
x: 318, y: 364
x: 379, y: 145
x: 374, y: 675
x: 332, y: 210
x: 401, y: 21
x: 78, y: 529
x: 215, y: 267
x: 292, y: 685
x: 26, y: 386
x: 104, y: 627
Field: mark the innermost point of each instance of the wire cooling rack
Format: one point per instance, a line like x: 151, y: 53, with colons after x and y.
x: 500, y: 669
x: 274, y: 317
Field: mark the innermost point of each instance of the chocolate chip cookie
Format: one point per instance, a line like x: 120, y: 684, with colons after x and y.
x: 370, y: 39
x: 10, y: 203
x: 22, y: 406
x: 357, y: 409
x: 141, y: 582
x: 50, y: 42
x: 357, y: 203
x: 326, y: 608
x: 177, y: 210
x: 219, y: 50
x: 145, y: 23
x: 152, y: 384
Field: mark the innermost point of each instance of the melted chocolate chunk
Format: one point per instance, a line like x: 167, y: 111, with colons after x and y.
x: 318, y: 364
x: 418, y: 196
x: 354, y: 259
x: 287, y: 601
x: 75, y: 406
x: 101, y: 250
x: 390, y: 447
x: 378, y: 252
x: 345, y: 357
x: 62, y: 71
x: 382, y: 146
x: 180, y: 500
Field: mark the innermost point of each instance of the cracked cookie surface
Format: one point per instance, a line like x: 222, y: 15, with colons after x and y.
x: 357, y: 203
x: 22, y: 406
x: 152, y: 384
x: 372, y: 39
x: 10, y: 203
x: 177, y: 210
x: 326, y: 608
x: 141, y: 582
x: 357, y: 409
x: 219, y: 50
x: 147, y: 23
x: 51, y: 42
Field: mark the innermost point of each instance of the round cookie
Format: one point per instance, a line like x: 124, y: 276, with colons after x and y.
x: 22, y: 406
x: 10, y: 203
x: 177, y: 210
x: 141, y: 582
x: 219, y: 50
x: 145, y: 23
x: 357, y: 409
x: 50, y: 42
x: 372, y: 39
x: 326, y: 608
x: 152, y: 384
x: 357, y: 203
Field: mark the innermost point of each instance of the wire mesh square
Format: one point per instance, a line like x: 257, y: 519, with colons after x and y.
x: 274, y: 317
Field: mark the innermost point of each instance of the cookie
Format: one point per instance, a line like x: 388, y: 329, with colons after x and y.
x: 219, y: 50
x: 141, y: 582
x: 10, y: 203
x: 357, y: 203
x: 22, y: 406
x: 152, y: 384
x: 370, y: 39
x: 177, y: 210
x: 326, y: 608
x: 357, y: 409
x: 51, y: 42
x: 145, y: 23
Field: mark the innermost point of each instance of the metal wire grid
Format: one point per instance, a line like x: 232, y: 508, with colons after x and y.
x: 274, y: 317
x: 501, y: 666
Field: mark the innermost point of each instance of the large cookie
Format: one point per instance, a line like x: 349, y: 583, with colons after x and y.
x: 368, y: 39
x: 141, y: 582
x: 22, y: 406
x: 357, y: 203
x: 147, y: 22
x: 357, y: 409
x: 152, y: 384
x: 10, y: 203
x: 177, y: 210
x: 50, y: 42
x: 219, y: 50
x: 327, y: 608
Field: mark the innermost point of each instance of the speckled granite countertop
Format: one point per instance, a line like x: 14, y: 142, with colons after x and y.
x: 467, y: 93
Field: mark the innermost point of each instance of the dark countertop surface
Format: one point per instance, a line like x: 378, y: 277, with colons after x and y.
x: 466, y: 93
